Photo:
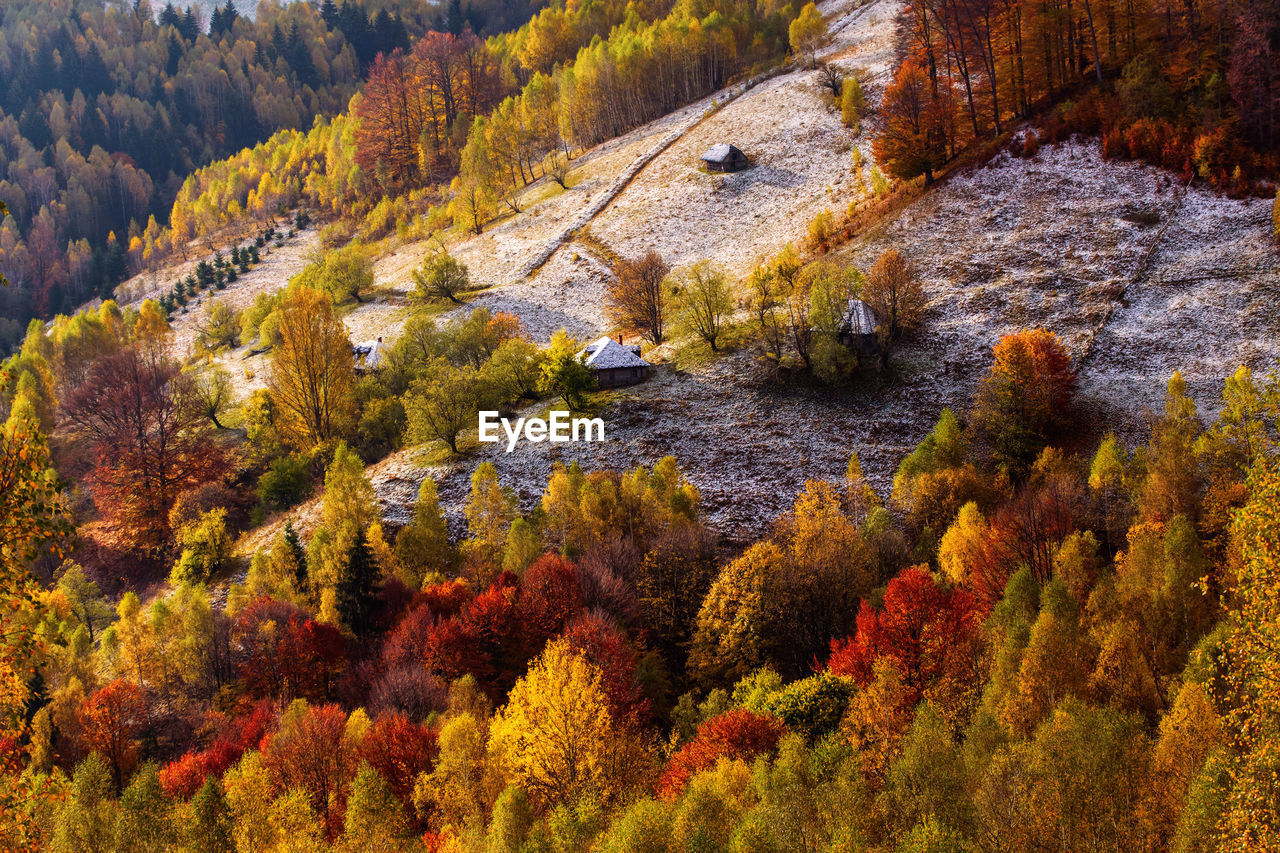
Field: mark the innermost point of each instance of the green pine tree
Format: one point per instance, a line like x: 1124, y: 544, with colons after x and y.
x: 357, y: 587
x: 294, y: 544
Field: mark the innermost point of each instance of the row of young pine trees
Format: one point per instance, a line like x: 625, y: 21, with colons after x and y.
x: 1024, y: 648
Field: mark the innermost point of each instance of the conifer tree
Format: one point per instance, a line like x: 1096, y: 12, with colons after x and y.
x: 423, y: 545
x: 298, y: 554
x: 357, y: 588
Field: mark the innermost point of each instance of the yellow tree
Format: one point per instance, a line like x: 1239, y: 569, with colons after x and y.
x: 1189, y: 732
x: 555, y: 736
x: 490, y: 511
x: 31, y: 519
x: 312, y: 376
x: 151, y: 326
x: 459, y: 790
x: 350, y: 509
x: 732, y: 639
x: 830, y: 570
x: 1251, y: 820
x: 808, y: 32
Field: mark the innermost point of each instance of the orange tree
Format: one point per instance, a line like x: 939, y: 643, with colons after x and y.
x: 917, y: 129
x: 1025, y: 397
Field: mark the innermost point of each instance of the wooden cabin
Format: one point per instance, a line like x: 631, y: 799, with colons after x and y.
x: 858, y: 328
x: 613, y: 364
x: 725, y: 158
x: 367, y: 356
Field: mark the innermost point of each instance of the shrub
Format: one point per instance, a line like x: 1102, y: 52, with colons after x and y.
x: 286, y: 482
x: 441, y: 276
x: 812, y: 707
x: 206, y: 547
x: 879, y: 183
x: 853, y: 102
x: 821, y: 230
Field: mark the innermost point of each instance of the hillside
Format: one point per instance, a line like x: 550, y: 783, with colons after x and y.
x: 1139, y: 274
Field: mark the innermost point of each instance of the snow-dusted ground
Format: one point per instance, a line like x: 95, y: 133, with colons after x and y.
x: 802, y: 163
x: 278, y: 265
x: 1139, y: 274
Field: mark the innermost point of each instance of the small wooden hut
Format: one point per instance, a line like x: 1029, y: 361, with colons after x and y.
x: 858, y: 328
x: 614, y: 364
x: 367, y: 356
x: 724, y: 158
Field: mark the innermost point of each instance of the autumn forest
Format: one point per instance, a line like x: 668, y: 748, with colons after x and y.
x: 262, y: 587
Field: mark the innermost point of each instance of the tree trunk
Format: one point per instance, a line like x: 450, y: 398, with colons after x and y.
x: 1093, y: 37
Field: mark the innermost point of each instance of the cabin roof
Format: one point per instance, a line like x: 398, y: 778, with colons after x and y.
x: 606, y: 354
x: 859, y: 318
x: 368, y: 354
x: 723, y: 153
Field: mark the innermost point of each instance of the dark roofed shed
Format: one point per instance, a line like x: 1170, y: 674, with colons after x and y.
x: 725, y: 158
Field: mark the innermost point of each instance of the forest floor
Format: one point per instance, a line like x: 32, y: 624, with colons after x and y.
x: 1138, y: 273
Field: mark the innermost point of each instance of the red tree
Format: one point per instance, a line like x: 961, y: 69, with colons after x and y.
x: 399, y: 750
x: 505, y: 626
x: 110, y: 721
x: 151, y: 444
x: 448, y: 598
x: 549, y: 597
x: 411, y: 102
x: 390, y: 119
x: 407, y: 642
x: 285, y: 654
x: 610, y: 650
x: 1254, y: 74
x: 312, y: 754
x: 181, y: 779
x: 928, y: 632
x: 734, y: 734
x: 915, y: 138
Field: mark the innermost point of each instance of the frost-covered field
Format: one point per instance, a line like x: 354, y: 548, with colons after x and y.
x: 1139, y: 274
x: 802, y: 163
x: 278, y: 265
